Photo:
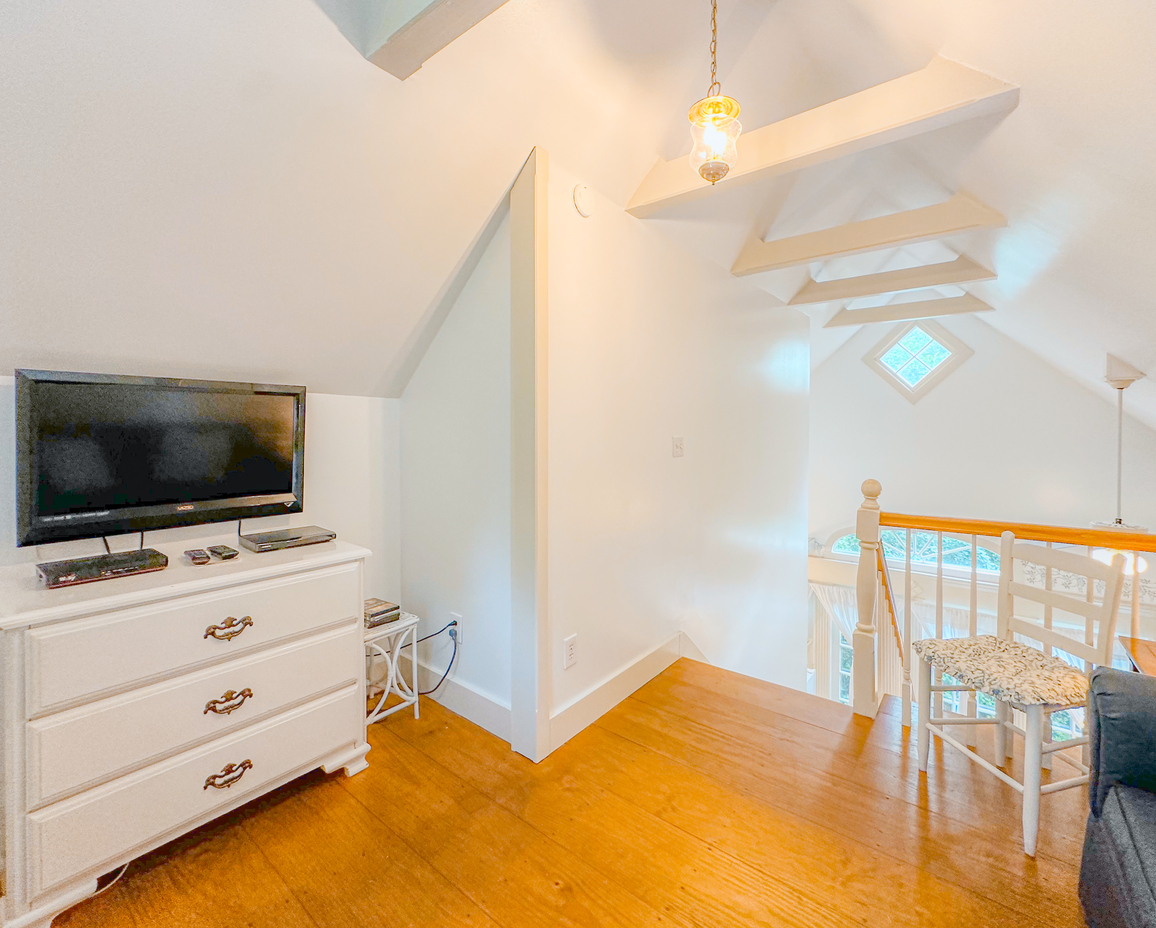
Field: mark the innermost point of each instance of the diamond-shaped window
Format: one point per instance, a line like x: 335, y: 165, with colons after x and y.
x: 915, y: 356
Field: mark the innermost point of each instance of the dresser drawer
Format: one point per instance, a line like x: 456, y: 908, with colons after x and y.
x: 91, y: 831
x: 77, y: 749
x: 83, y: 658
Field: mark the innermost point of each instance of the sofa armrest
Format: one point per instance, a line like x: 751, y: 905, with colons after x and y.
x: 1122, y: 732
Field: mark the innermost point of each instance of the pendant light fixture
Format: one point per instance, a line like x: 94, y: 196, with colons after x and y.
x: 1120, y: 375
x: 714, y: 121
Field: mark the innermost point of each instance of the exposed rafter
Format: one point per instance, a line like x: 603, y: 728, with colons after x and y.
x: 959, y: 214
x: 961, y: 270
x: 399, y: 36
x: 941, y: 94
x: 898, y: 312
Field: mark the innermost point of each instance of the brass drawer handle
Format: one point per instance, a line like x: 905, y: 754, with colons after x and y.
x: 229, y: 629
x: 227, y: 703
x: 230, y: 775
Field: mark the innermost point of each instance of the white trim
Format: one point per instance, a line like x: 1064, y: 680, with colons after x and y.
x: 942, y: 93
x: 586, y: 708
x: 950, y: 218
x: 489, y: 712
x: 530, y: 668
x: 483, y: 709
x: 904, y: 280
x: 690, y: 650
x: 959, y: 353
x: 921, y: 309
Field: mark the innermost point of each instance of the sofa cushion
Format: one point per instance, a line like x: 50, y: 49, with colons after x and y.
x: 1122, y: 728
x: 1129, y: 820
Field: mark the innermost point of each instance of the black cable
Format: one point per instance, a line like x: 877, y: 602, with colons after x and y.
x: 107, y: 549
x: 449, y: 667
x: 434, y: 635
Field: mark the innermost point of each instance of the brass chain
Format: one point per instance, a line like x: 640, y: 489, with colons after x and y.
x: 715, y: 86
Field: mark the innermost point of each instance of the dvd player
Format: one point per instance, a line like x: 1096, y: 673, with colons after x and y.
x: 287, y: 538
x: 56, y: 574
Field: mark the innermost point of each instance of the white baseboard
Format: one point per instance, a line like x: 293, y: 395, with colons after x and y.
x: 568, y: 720
x: 688, y: 648
x: 565, y: 722
x: 459, y: 697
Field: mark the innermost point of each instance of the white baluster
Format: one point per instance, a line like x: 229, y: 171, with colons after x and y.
x: 938, y: 698
x: 971, y: 708
x: 864, y: 699
x: 1135, y: 594
x: 906, y: 648
x: 1048, y: 585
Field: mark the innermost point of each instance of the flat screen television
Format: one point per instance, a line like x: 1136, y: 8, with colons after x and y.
x: 101, y: 454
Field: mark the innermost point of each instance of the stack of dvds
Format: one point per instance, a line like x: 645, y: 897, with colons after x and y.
x: 379, y: 612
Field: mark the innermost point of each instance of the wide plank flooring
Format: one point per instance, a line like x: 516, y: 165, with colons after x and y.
x: 705, y: 799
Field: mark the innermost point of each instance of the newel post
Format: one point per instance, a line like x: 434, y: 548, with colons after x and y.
x: 864, y: 700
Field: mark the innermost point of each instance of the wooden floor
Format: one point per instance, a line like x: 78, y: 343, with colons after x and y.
x: 706, y: 799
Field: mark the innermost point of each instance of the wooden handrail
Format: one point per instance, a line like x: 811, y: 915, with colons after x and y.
x: 892, y: 611
x: 1025, y: 531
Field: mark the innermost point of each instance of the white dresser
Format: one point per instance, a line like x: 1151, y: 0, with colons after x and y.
x: 137, y: 709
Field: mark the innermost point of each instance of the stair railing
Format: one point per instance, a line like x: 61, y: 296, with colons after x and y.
x: 878, y: 603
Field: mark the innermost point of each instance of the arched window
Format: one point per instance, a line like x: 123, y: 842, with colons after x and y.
x: 924, y: 550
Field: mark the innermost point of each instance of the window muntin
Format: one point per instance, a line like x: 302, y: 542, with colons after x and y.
x: 846, y: 660
x: 924, y: 550
x: 915, y: 356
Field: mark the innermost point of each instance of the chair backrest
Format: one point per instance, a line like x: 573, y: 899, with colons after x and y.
x: 1099, y: 618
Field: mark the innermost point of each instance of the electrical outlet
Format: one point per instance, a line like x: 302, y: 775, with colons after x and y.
x: 676, y: 447
x: 570, y: 652
x: 456, y: 617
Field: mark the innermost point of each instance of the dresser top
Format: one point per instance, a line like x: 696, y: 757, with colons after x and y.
x: 24, y: 600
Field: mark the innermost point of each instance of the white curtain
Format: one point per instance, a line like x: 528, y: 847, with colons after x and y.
x: 956, y: 622
x: 840, y: 604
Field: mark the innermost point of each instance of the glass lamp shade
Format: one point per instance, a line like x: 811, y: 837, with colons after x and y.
x: 714, y: 132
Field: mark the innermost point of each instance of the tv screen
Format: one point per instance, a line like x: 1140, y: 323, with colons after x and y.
x: 101, y: 454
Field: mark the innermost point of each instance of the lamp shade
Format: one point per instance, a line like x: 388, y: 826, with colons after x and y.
x: 714, y: 131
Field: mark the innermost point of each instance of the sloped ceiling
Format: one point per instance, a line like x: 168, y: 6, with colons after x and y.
x: 230, y: 190
x: 1070, y: 167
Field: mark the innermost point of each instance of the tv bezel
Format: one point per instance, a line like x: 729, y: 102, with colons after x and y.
x: 31, y: 530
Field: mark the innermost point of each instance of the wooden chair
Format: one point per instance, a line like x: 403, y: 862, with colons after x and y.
x: 1019, y: 676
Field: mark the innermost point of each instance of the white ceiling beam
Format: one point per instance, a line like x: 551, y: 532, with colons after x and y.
x: 961, y: 270
x: 428, y: 27
x: 941, y: 94
x: 399, y: 36
x: 901, y: 312
x: 959, y: 214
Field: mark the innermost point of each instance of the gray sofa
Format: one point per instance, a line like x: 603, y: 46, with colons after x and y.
x: 1118, y: 873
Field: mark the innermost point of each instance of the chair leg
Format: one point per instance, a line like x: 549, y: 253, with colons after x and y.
x: 971, y: 710
x: 1033, y: 759
x: 925, y: 669
x: 1046, y: 734
x: 1001, y: 742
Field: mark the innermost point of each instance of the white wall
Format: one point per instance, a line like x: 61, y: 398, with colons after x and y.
x: 351, y: 486
x: 1005, y: 437
x: 648, y: 342
x: 455, y: 479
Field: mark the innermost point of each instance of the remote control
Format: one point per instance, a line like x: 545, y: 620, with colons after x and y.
x: 224, y: 552
x: 197, y: 556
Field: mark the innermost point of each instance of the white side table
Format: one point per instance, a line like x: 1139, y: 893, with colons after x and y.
x: 386, y: 642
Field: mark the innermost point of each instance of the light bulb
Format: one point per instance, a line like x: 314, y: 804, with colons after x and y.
x: 714, y: 132
x: 1104, y: 556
